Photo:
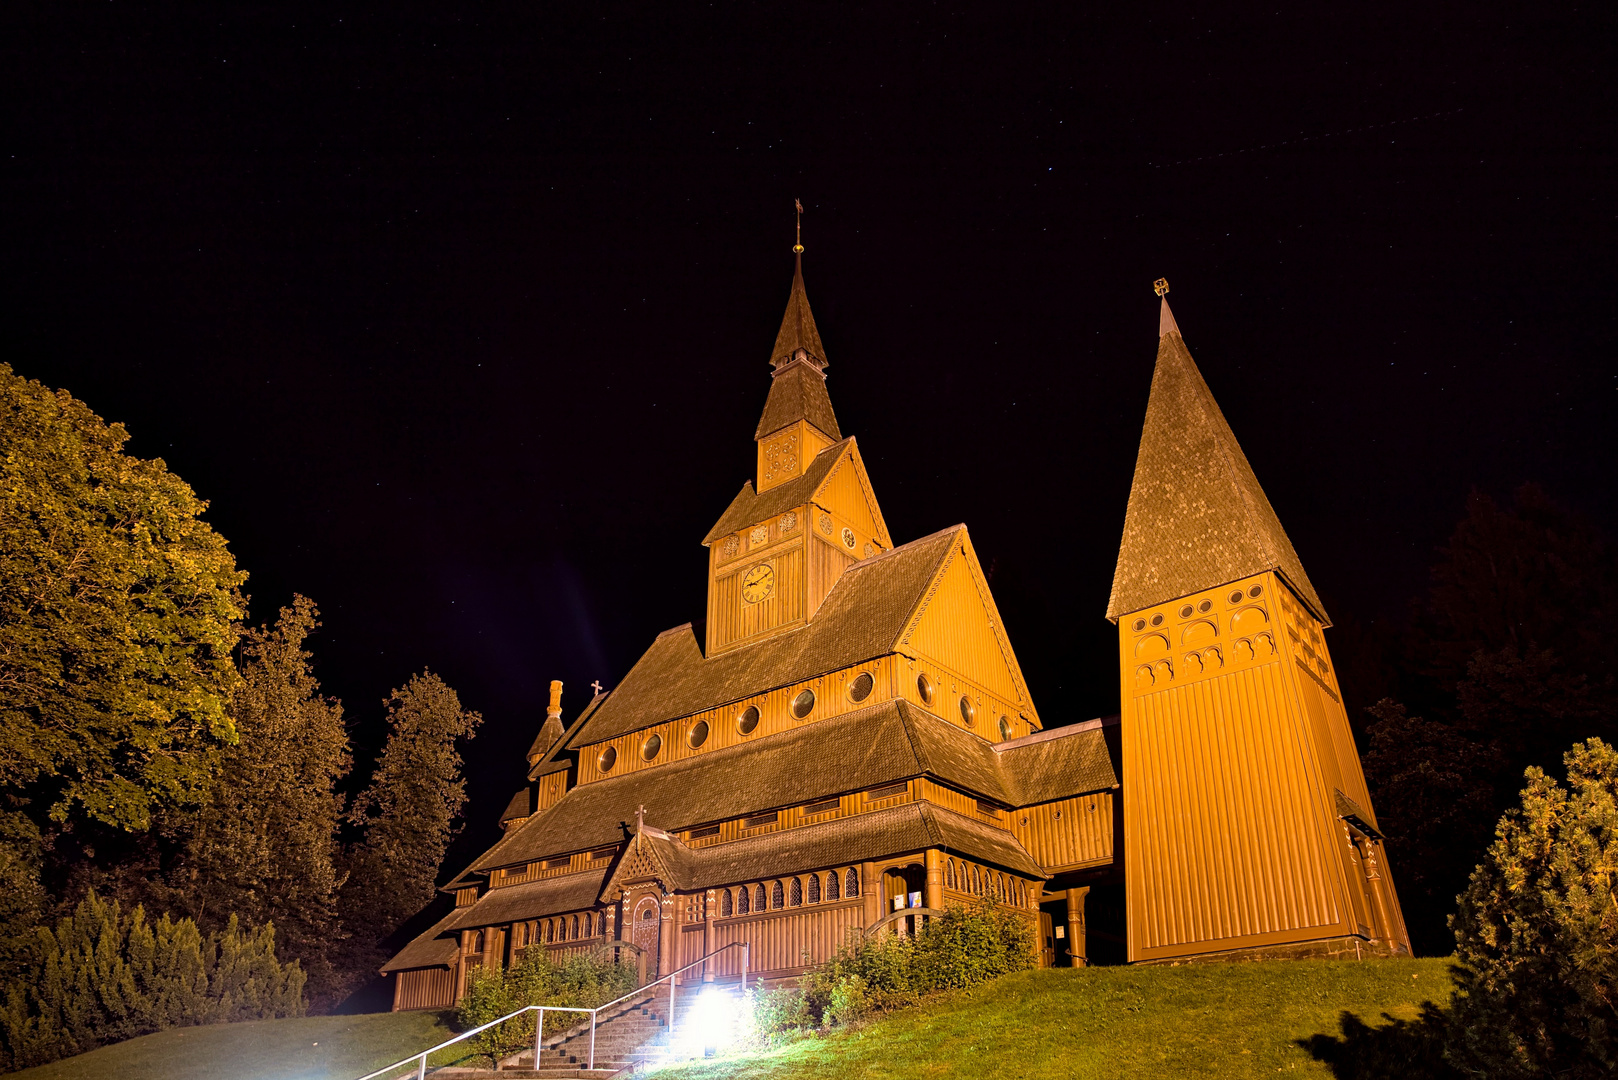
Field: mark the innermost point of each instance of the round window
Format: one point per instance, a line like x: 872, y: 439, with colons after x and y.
x: 1005, y: 727
x: 697, y: 735
x: 1140, y: 624
x: 608, y: 758
x: 1157, y: 620
x: 803, y: 704
x: 860, y: 688
x: 1236, y: 597
x: 1206, y: 605
x: 1185, y: 612
x: 649, y: 749
x: 747, y: 720
x: 1256, y: 591
x: 924, y: 687
x: 967, y: 712
x: 848, y: 539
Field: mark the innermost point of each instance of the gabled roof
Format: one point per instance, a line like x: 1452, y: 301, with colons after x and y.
x: 1197, y: 517
x: 863, y: 617
x: 750, y: 508
x: 879, y: 745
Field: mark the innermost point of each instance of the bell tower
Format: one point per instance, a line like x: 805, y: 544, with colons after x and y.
x: 1247, y: 823
x: 776, y: 552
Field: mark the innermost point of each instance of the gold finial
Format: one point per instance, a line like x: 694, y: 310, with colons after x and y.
x: 798, y: 247
x: 1161, y: 286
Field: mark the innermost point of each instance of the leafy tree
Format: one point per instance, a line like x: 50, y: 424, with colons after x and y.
x: 579, y: 982
x: 104, y: 975
x: 118, y: 607
x: 408, y: 814
x: 1537, y: 931
x: 264, y: 844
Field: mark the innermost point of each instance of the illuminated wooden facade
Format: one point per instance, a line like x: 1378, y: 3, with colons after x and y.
x: 851, y: 734
x: 1247, y: 824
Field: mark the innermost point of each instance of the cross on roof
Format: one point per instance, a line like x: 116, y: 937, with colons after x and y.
x: 596, y: 686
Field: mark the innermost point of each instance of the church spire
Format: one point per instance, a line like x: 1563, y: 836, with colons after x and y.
x: 1197, y: 517
x: 798, y: 382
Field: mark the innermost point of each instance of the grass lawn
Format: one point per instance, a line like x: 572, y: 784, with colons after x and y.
x: 1206, y: 1020
x: 310, y: 1048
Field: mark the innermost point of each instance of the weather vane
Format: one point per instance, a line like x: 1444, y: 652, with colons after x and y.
x: 1161, y: 286
x: 798, y: 247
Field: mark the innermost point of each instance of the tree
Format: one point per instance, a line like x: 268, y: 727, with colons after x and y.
x: 118, y: 607
x: 104, y: 975
x: 407, y: 814
x: 1537, y: 931
x: 264, y: 844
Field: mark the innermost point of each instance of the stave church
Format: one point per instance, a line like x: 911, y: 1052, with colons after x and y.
x: 849, y: 741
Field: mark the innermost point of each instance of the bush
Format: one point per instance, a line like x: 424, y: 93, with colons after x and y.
x: 1537, y: 931
x: 580, y: 982
x: 960, y: 948
x: 103, y: 976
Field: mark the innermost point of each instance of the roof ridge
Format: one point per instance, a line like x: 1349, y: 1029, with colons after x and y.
x: 1047, y: 734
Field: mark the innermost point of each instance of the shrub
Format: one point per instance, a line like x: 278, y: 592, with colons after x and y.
x: 962, y: 947
x: 580, y: 982
x: 103, y: 976
x: 1537, y: 931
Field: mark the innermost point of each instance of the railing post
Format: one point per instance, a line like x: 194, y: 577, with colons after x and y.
x: 747, y: 955
x: 421, y: 1070
x: 593, y: 1038
x: 539, y: 1034
x: 673, y: 979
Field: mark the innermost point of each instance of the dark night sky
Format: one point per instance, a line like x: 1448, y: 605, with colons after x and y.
x: 461, y: 320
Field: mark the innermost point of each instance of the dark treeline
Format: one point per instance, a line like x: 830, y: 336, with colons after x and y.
x: 1503, y: 664
x: 167, y: 762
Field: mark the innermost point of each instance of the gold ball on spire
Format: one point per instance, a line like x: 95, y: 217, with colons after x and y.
x: 1161, y: 286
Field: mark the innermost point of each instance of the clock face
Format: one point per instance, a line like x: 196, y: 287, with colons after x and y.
x: 758, y: 583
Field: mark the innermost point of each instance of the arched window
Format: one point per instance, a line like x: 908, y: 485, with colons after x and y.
x: 761, y: 899
x: 831, y: 886
x: 477, y: 942
x: 977, y: 883
x: 777, y: 896
x: 573, y: 927
x: 851, y: 887
x: 949, y: 874
x: 795, y: 892
x: 725, y: 902
x: 743, y: 901
x: 814, y: 888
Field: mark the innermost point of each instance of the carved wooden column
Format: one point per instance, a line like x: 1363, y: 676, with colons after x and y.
x: 709, y: 904
x: 1077, y: 946
x: 668, y: 944
x: 934, y: 896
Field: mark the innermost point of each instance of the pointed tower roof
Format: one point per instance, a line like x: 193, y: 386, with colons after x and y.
x: 798, y: 389
x: 1197, y: 516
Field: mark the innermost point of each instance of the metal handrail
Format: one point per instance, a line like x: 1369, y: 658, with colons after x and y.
x: 539, y: 1024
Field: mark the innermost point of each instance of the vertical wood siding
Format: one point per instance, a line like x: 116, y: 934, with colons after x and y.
x: 786, y: 943
x: 956, y: 629
x: 424, y: 988
x: 1069, y: 833
x: 731, y: 621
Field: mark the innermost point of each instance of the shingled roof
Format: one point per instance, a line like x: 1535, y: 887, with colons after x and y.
x: 530, y: 900
x: 750, y: 508
x: 428, y: 948
x: 862, y: 617
x: 1197, y: 517
x: 880, y: 745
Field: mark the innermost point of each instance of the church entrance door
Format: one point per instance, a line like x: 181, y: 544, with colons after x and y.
x: 646, y: 929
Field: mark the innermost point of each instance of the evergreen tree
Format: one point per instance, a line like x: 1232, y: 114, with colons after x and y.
x: 263, y: 846
x: 1537, y: 931
x: 408, y: 815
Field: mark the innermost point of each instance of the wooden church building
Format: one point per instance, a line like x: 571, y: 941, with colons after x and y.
x: 851, y: 736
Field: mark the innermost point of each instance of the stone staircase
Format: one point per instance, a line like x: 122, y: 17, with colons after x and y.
x: 634, y: 1037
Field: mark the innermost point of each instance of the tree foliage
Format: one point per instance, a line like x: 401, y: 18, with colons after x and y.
x: 104, y: 975
x: 1537, y: 931
x: 264, y: 845
x: 579, y: 982
x: 408, y: 813
x: 117, y: 617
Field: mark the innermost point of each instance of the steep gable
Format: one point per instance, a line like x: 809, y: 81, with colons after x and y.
x: 958, y: 625
x: 846, y: 491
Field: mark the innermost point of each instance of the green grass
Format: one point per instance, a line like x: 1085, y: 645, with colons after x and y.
x: 1207, y: 1020
x: 309, y: 1048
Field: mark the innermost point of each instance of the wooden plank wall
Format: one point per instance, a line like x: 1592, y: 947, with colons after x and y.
x: 1069, y: 833
x: 424, y: 988
x: 779, y: 941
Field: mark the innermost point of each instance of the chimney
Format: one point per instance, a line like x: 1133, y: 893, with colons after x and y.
x: 554, y: 709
